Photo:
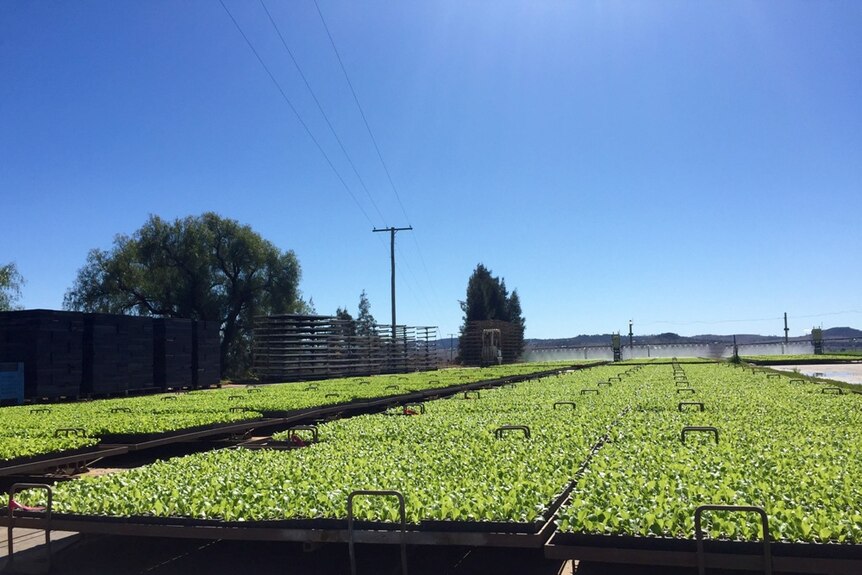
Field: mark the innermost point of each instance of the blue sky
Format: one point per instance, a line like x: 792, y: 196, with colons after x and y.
x: 693, y: 166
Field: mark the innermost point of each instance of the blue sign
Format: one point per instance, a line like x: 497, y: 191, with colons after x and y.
x: 12, y: 383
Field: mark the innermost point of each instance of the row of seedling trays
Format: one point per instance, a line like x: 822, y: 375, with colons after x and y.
x: 538, y: 414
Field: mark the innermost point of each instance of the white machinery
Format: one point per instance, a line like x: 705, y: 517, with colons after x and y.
x: 492, y: 348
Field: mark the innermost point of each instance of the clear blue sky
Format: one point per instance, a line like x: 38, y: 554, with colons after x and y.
x: 681, y: 164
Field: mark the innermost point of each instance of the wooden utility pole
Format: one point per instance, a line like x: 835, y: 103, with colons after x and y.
x: 392, y: 259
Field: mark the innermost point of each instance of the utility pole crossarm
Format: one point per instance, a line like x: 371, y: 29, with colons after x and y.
x: 392, y: 260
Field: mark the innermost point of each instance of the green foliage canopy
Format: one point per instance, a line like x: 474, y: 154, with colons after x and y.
x: 200, y: 267
x: 488, y: 299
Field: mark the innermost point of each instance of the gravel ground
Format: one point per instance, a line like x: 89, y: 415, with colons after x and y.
x: 849, y: 372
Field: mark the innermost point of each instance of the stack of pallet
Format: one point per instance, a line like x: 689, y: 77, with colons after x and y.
x: 118, y: 354
x: 206, y: 350
x: 172, y: 353
x: 50, y: 345
x: 300, y: 347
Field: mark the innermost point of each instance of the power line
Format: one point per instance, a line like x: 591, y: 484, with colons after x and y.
x: 776, y: 318
x: 706, y: 322
x: 849, y: 311
x: 296, y: 113
x: 411, y: 278
x: 320, y: 108
x: 376, y: 148
x: 361, y: 112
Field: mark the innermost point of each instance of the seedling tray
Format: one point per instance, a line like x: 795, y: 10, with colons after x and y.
x: 301, y: 530
x: 23, y: 465
x: 837, y: 559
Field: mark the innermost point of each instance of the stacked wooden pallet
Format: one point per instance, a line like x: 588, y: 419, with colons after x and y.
x: 299, y: 347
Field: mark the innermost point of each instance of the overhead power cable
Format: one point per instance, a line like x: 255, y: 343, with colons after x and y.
x: 320, y: 108
x: 362, y: 112
x: 777, y: 318
x: 707, y: 322
x: 849, y: 311
x: 296, y: 113
x: 376, y: 148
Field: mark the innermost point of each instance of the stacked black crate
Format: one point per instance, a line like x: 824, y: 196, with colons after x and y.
x: 104, y: 356
x: 50, y: 345
x: 140, y: 352
x: 206, y: 358
x: 172, y: 353
x: 118, y: 354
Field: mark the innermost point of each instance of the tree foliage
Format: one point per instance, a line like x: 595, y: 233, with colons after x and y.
x: 10, y: 286
x: 365, y: 322
x: 488, y: 299
x: 349, y: 328
x: 200, y: 267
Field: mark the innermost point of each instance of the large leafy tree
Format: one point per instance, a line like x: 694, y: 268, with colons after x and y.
x: 488, y: 299
x: 10, y: 286
x: 200, y: 267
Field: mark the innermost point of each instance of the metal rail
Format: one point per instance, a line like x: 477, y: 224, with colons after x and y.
x: 312, y: 428
x: 498, y: 433
x: 48, y: 462
x: 350, y: 532
x: 17, y: 488
x: 691, y: 429
x: 247, y: 531
x: 687, y: 403
x: 572, y: 403
x: 617, y: 550
x: 67, y: 431
x: 698, y: 533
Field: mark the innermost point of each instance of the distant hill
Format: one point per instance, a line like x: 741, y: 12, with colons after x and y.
x: 673, y: 338
x: 841, y: 332
x: 604, y: 339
